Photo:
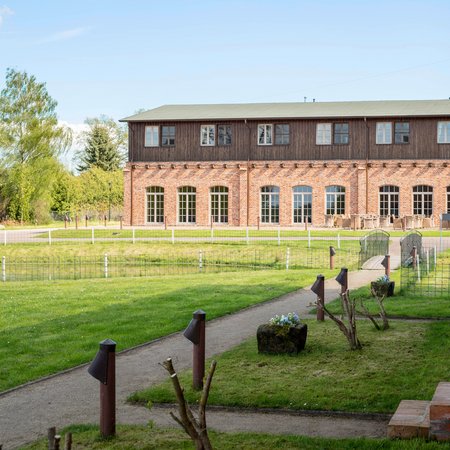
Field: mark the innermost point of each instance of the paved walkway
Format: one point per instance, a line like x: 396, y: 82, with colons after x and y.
x: 72, y: 397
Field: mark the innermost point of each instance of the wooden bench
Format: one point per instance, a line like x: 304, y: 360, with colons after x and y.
x: 440, y: 413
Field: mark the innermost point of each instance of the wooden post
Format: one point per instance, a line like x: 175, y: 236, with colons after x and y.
x: 105, y: 218
x: 387, y: 269
x: 76, y: 222
x: 121, y: 222
x: 258, y: 223
x: 65, y: 221
x: 68, y: 442
x: 57, y: 442
x: 165, y: 222
x: 332, y: 253
x: 51, y: 433
x: 85, y: 221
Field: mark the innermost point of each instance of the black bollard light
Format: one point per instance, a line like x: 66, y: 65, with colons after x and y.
x: 342, y: 279
x: 319, y: 289
x: 195, y: 332
x: 386, y: 263
x: 103, y: 368
x: 332, y: 253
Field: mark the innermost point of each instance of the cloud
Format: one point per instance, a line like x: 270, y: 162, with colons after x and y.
x: 64, y: 35
x: 4, y: 12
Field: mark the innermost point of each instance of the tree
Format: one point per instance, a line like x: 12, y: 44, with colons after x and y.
x: 30, y: 141
x: 104, y: 145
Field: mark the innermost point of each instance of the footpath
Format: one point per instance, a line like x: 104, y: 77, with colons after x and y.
x: 72, y: 397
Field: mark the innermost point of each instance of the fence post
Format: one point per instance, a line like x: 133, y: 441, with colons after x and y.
x: 212, y: 234
x: 418, y: 269
x: 3, y: 268
x: 200, y: 261
x: 49, y: 237
x: 106, y: 265
x: 435, y: 256
x: 4, y: 237
x: 121, y: 222
x: 428, y: 261
x: 134, y: 235
x: 339, y: 240
x: 279, y: 236
x: 288, y: 254
x: 246, y: 236
x: 309, y: 239
x: 93, y: 236
x: 76, y: 222
x: 173, y: 235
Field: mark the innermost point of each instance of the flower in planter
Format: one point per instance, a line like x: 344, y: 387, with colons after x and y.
x: 291, y: 319
x: 383, y: 280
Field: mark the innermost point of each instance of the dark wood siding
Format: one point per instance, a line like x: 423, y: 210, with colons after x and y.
x: 423, y: 142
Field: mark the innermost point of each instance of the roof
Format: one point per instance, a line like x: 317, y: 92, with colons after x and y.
x: 305, y: 110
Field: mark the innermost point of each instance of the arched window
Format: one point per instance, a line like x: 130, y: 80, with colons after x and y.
x: 219, y: 204
x: 186, y: 204
x: 302, y: 204
x: 448, y: 199
x: 423, y: 200
x: 155, y: 204
x: 335, y: 200
x: 389, y: 200
x: 270, y: 204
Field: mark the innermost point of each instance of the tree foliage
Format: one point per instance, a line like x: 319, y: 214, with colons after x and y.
x: 30, y: 141
x: 104, y: 145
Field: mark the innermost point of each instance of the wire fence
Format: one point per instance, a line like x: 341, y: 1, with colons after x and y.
x: 111, y: 266
x: 427, y: 276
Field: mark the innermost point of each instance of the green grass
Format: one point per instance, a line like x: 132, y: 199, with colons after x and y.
x: 405, y: 362
x: 402, y: 304
x: 46, y: 327
x: 149, y: 437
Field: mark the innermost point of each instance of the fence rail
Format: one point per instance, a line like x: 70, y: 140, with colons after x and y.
x: 178, y: 235
x: 110, y: 266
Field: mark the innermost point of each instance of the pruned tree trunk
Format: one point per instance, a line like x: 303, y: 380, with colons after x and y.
x: 348, y: 329
x: 381, y: 314
x: 195, y: 428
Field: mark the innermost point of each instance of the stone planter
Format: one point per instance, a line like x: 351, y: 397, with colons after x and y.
x: 278, y: 339
x: 386, y: 289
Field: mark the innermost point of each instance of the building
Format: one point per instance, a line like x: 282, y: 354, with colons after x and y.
x: 287, y: 163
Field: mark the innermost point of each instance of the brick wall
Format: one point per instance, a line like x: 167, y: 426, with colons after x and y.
x: 284, y: 174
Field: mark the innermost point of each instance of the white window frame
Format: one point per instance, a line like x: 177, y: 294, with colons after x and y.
x: 154, y: 195
x: 381, y: 135
x: 186, y: 195
x: 267, y: 126
x: 209, y: 130
x: 270, y: 195
x: 302, y: 195
x: 443, y: 129
x: 220, y: 195
x: 323, y: 133
x: 335, y: 195
x: 152, y: 142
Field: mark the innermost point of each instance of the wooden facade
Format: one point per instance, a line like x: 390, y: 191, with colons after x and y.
x: 362, y: 146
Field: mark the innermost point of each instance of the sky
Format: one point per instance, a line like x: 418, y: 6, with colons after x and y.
x: 117, y: 57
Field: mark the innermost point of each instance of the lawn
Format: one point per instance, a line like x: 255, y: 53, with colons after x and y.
x: 402, y: 304
x: 39, y: 321
x: 153, y: 438
x: 405, y: 362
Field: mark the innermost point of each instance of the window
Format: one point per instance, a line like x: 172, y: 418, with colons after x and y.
x: 335, y: 200
x: 151, y: 136
x: 282, y: 134
x: 186, y: 204
x: 265, y: 134
x: 219, y: 204
x: 401, y: 132
x: 302, y: 204
x: 270, y: 204
x: 443, y: 132
x: 224, y: 134
x: 389, y: 200
x: 155, y: 204
x: 207, y: 135
x: 340, y: 133
x: 448, y: 199
x: 423, y: 200
x: 168, y: 136
x: 384, y: 133
x: 323, y: 134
